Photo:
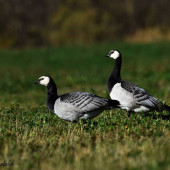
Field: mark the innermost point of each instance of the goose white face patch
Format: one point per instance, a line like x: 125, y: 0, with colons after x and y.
x: 115, y: 55
x: 44, y: 80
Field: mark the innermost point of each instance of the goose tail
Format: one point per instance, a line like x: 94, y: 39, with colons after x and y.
x: 166, y: 107
x: 114, y: 104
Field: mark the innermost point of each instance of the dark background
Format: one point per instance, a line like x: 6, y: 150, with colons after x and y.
x: 40, y: 23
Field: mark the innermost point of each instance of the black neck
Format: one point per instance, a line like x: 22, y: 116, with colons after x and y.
x: 115, y: 74
x: 52, y: 95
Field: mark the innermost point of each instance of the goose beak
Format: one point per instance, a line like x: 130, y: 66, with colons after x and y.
x: 37, y: 82
x: 107, y: 55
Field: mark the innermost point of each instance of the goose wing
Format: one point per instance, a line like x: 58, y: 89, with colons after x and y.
x: 141, y: 96
x: 85, y: 101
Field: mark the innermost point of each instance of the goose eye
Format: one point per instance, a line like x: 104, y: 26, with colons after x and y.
x: 111, y: 52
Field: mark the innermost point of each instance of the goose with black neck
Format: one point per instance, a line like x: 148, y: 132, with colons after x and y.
x: 76, y: 105
x: 132, y: 98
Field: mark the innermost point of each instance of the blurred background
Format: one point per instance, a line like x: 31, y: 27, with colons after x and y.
x: 59, y: 22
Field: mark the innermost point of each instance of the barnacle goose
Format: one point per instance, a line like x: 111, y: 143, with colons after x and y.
x: 75, y: 105
x: 132, y: 98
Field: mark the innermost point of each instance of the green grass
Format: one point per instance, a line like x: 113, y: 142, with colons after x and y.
x: 34, y: 138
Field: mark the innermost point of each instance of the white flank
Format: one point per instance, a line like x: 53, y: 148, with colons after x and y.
x: 69, y: 112
x: 126, y: 99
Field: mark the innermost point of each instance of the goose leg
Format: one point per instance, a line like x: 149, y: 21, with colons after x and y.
x: 128, y: 113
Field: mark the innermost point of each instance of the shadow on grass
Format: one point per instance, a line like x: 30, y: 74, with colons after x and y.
x: 161, y: 116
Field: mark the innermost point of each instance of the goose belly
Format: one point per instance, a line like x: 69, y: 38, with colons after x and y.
x: 125, y: 98
x: 66, y: 111
x: 70, y: 112
x: 90, y: 115
x: 141, y: 109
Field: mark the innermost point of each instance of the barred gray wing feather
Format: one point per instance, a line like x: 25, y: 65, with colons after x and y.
x: 141, y: 96
x: 85, y: 101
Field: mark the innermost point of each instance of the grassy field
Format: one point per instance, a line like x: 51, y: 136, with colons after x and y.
x: 31, y: 137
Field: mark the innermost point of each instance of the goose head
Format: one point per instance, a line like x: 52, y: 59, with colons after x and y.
x: 43, y: 80
x: 113, y: 54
